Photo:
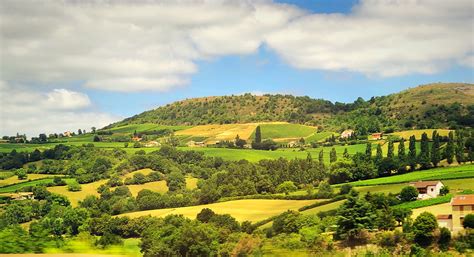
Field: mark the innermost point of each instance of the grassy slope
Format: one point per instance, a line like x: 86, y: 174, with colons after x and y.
x: 463, y: 171
x: 276, y: 131
x: 251, y: 210
x: 418, y: 132
x: 144, y: 127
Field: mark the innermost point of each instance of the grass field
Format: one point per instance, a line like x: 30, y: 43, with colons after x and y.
x: 216, y: 132
x: 326, y: 207
x: 15, y: 180
x: 83, y: 247
x: 418, y: 132
x: 14, y: 187
x: 425, y: 203
x: 444, y: 173
x: 251, y: 210
x: 284, y: 131
x: 318, y: 137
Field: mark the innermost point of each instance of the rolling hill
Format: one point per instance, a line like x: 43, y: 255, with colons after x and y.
x: 439, y: 105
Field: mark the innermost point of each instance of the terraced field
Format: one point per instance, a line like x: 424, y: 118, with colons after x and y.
x: 215, y: 133
x: 251, y: 210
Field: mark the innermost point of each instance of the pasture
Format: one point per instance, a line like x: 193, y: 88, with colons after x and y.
x: 284, y: 131
x: 442, y: 173
x: 318, y: 137
x: 251, y: 210
x: 214, y: 133
x: 14, y: 179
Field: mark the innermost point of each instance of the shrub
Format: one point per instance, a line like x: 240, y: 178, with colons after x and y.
x: 444, y: 190
x: 468, y: 221
x: 408, y: 194
x: 286, y: 187
x: 423, y: 228
x: 444, y: 239
x: 74, y: 187
x: 345, y: 189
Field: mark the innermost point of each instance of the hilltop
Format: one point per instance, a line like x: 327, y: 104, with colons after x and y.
x: 433, y: 105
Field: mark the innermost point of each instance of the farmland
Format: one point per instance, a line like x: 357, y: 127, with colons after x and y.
x: 251, y: 210
x: 443, y: 173
x: 418, y: 132
x: 285, y: 131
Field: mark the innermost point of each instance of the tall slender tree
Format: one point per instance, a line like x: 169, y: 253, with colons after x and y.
x: 378, y: 155
x: 368, y: 150
x: 346, y: 154
x: 424, y: 158
x: 459, y: 147
x: 321, y: 158
x: 401, y: 150
x: 412, y: 153
x: 390, y: 150
x: 449, y: 150
x: 333, y: 155
x: 258, y: 135
x: 435, y: 153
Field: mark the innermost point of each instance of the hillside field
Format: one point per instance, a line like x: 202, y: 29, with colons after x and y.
x: 251, y: 210
x: 282, y: 132
x: 418, y: 132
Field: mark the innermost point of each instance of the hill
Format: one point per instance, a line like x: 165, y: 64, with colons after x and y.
x: 438, y: 105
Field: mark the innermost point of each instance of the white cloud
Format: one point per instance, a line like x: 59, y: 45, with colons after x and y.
x: 33, y: 112
x: 381, y: 38
x: 154, y: 45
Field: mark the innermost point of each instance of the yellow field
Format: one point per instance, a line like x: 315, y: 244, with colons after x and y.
x: 157, y: 186
x: 418, y: 132
x: 326, y: 207
x: 215, y: 133
x: 14, y: 179
x: 143, y: 171
x: 444, y: 208
x: 251, y: 210
x: 75, y: 197
x: 191, y: 183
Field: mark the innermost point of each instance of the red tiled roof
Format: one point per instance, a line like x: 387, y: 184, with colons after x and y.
x: 424, y: 184
x: 463, y: 200
x: 444, y: 217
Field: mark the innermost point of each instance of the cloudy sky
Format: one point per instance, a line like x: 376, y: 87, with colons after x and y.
x: 66, y: 65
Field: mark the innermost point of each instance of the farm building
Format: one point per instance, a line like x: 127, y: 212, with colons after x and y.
x: 376, y: 136
x: 136, y: 139
x: 427, y: 189
x: 67, y: 134
x: 152, y: 144
x: 347, y: 133
x: 461, y: 206
x: 195, y: 144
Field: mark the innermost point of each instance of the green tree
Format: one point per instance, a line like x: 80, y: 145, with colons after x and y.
x: 390, y: 152
x: 286, y: 187
x: 175, y: 181
x: 93, y: 130
x: 408, y: 194
x: 435, y: 151
x: 444, y: 238
x: 378, y: 155
x: 401, y: 150
x: 321, y: 158
x: 412, y: 153
x: 423, y: 228
x: 333, y: 155
x: 444, y: 190
x: 325, y: 190
x: 346, y: 154
x: 368, y: 150
x: 424, y: 157
x: 240, y: 143
x: 258, y: 135
x: 450, y: 148
x: 459, y: 147
x: 401, y: 214
x: 468, y: 221
x: 354, y: 215
x: 21, y: 174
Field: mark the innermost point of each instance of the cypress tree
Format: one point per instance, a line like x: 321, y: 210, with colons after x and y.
x: 321, y: 158
x: 379, y: 156
x: 470, y: 155
x: 412, y: 153
x: 424, y: 158
x: 333, y: 155
x: 346, y: 154
x: 459, y: 148
x: 449, y: 151
x: 309, y: 159
x: 258, y: 135
x: 401, y: 150
x: 390, y: 149
x: 435, y: 154
x: 368, y: 151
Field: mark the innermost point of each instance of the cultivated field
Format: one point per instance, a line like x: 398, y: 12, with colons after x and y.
x: 285, y: 132
x: 14, y: 179
x: 214, y: 133
x: 251, y: 210
x: 444, y: 208
x: 144, y: 127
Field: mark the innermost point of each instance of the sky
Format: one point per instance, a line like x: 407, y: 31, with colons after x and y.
x: 66, y: 65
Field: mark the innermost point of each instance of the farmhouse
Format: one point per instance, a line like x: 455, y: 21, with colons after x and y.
x: 377, y: 136
x: 136, y: 139
x: 347, y: 133
x: 427, y: 189
x: 152, y: 144
x: 67, y: 134
x: 461, y: 206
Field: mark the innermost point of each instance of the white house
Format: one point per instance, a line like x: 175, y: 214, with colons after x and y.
x: 347, y: 133
x: 427, y: 189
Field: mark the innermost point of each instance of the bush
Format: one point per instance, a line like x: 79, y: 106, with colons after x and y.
x: 468, y: 221
x: 59, y: 181
x: 408, y: 194
x: 74, y: 187
x: 423, y: 228
x: 345, y: 189
x: 286, y: 187
x: 444, y: 239
x: 444, y: 190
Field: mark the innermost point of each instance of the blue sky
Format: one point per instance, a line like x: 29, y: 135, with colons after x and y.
x: 92, y: 64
